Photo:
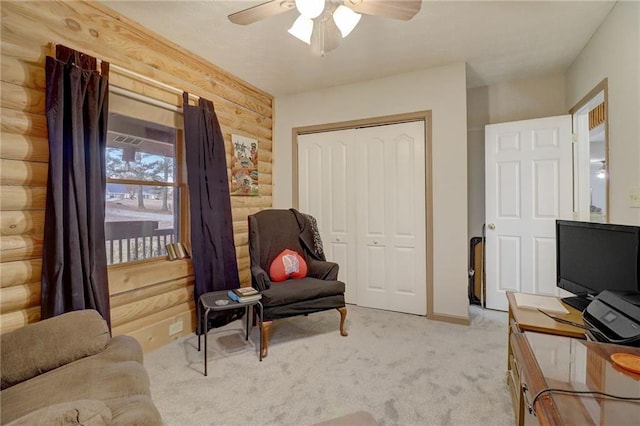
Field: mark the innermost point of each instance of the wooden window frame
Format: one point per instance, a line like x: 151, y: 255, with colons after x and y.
x: 160, y: 95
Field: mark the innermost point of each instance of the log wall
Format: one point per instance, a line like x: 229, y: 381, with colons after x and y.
x: 146, y: 296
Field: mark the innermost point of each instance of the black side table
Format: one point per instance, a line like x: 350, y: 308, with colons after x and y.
x: 207, y: 303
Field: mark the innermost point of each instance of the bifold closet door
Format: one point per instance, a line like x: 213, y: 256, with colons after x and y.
x: 391, y: 238
x: 325, y: 192
x: 366, y: 187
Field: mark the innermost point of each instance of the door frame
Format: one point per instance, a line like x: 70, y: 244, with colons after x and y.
x: 424, y: 116
x: 582, y: 107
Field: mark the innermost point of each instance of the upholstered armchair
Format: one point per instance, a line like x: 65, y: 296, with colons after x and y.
x: 270, y: 233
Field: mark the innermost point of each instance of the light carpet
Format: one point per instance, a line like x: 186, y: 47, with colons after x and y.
x: 403, y: 369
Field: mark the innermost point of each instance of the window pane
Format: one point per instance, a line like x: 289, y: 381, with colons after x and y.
x: 140, y: 221
x: 140, y: 150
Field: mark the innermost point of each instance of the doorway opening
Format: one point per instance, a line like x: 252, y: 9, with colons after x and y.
x: 591, y: 156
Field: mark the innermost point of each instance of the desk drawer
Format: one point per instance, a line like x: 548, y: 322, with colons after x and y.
x: 514, y: 370
x: 515, y: 394
x: 514, y: 375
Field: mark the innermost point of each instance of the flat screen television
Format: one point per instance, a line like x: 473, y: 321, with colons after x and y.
x: 592, y: 257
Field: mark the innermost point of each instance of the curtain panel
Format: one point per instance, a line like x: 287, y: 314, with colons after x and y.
x: 74, y: 267
x: 212, y: 248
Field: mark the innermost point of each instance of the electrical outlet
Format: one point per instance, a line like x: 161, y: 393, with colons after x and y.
x: 634, y: 197
x: 176, y: 328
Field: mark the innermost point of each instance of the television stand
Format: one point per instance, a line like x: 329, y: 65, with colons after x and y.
x: 579, y: 303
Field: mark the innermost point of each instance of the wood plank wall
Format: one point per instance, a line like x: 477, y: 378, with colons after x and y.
x: 148, y: 296
x: 597, y: 116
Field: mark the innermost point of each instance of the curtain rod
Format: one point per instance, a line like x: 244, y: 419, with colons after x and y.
x: 143, y: 98
x: 134, y: 95
x: 150, y: 80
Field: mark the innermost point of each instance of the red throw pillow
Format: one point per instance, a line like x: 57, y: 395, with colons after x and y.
x: 288, y: 264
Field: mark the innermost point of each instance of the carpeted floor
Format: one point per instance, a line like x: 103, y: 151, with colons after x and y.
x: 403, y: 369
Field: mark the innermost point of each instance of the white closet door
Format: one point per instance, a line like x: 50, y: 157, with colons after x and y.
x: 391, y: 217
x: 366, y: 187
x: 325, y: 193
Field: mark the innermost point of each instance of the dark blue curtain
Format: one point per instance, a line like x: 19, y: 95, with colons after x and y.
x: 212, y: 248
x: 74, y: 266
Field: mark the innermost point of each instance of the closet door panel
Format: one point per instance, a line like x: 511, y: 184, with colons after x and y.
x: 401, y: 189
x: 310, y: 165
x: 337, y: 201
x: 404, y: 271
x: 340, y: 232
x: 325, y: 193
x: 372, y: 258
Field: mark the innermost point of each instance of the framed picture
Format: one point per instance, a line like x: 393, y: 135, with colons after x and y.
x: 244, y: 166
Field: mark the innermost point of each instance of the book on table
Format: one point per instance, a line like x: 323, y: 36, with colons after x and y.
x: 537, y: 301
x: 245, y: 291
x: 243, y: 299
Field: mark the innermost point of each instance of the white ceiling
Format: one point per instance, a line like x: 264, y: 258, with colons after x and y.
x: 499, y: 41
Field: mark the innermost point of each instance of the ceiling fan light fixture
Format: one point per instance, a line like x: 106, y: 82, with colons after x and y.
x: 310, y: 8
x: 302, y: 29
x: 346, y: 19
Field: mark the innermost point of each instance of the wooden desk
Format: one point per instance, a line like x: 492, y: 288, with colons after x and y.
x: 546, y: 354
x: 552, y: 364
x: 532, y: 320
x: 521, y: 320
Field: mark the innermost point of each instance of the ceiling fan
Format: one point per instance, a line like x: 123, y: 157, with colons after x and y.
x: 322, y: 23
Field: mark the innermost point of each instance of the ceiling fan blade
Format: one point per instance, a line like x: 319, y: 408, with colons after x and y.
x: 261, y: 11
x: 396, y: 9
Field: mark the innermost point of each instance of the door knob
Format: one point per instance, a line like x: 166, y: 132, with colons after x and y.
x: 338, y: 240
x: 491, y: 226
x: 375, y: 242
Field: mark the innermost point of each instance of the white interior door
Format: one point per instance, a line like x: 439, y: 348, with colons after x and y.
x: 366, y: 187
x: 528, y: 175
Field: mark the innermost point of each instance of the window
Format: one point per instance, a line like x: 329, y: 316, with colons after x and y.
x: 143, y: 192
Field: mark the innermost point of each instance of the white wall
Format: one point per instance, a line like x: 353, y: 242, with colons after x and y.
x: 614, y: 53
x: 442, y: 90
x: 510, y: 101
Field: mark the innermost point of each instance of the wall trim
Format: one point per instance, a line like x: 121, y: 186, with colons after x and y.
x: 424, y: 116
x: 452, y: 319
x: 603, y: 86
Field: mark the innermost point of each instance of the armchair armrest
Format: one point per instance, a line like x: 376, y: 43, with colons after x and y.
x: 42, y: 346
x: 321, y: 269
x: 79, y: 411
x: 260, y: 278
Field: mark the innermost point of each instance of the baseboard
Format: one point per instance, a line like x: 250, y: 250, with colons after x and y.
x: 449, y: 318
x: 159, y: 334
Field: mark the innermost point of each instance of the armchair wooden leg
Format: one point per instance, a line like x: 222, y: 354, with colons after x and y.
x: 266, y: 325
x: 343, y: 316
